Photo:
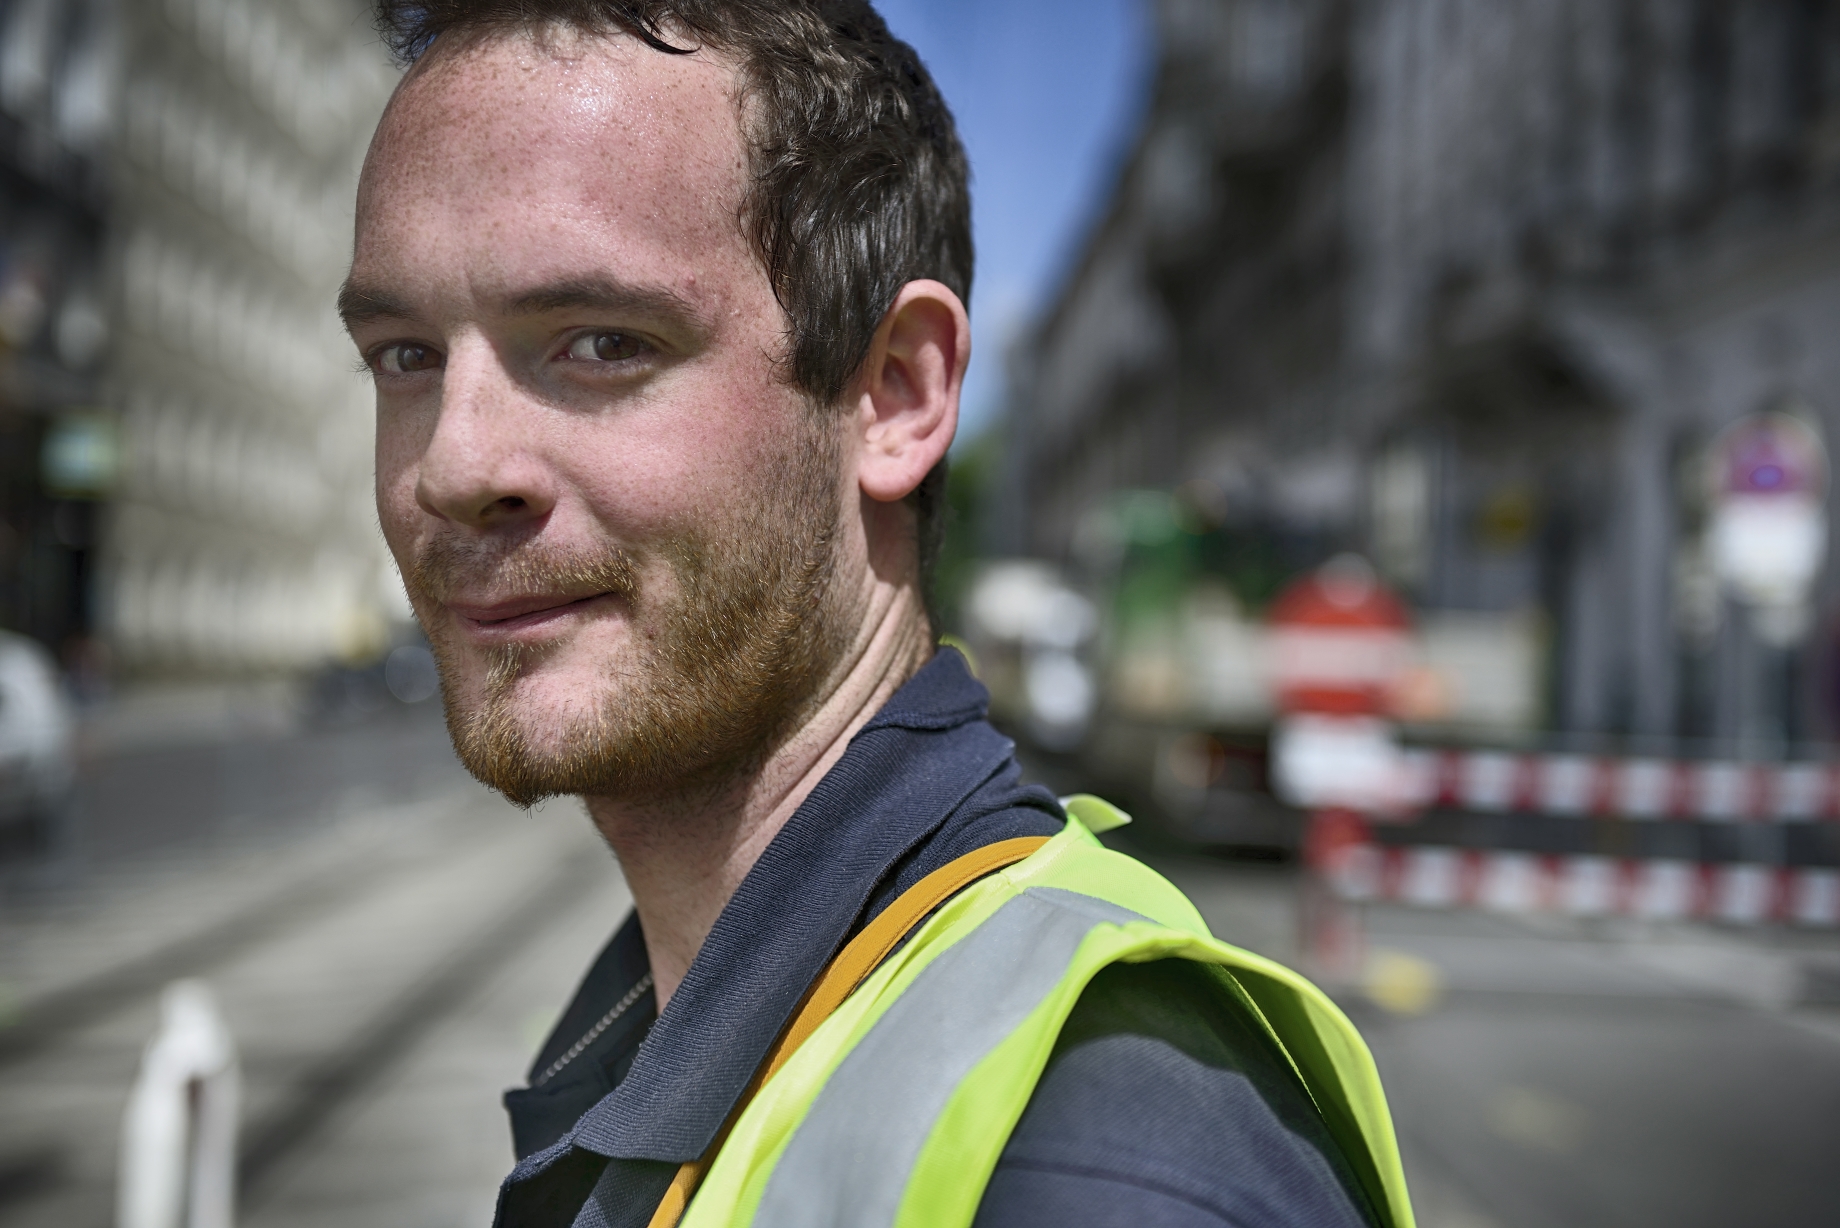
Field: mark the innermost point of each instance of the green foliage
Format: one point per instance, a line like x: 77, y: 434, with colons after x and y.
x: 974, y: 467
x: 1165, y: 545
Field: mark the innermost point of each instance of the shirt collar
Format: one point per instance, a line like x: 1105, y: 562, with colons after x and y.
x: 902, y: 775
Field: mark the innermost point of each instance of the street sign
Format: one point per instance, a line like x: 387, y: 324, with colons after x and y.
x: 1338, y: 762
x: 1340, y: 645
x: 1340, y: 641
x: 1768, y: 534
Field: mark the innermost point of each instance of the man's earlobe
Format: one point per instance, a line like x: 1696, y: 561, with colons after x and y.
x: 907, y: 404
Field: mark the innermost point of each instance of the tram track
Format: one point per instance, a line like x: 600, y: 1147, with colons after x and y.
x: 344, y: 1072
x: 46, y: 1020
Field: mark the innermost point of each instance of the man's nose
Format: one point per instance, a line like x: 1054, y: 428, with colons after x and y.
x: 483, y: 468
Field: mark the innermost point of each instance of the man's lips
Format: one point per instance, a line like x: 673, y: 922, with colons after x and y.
x: 498, y: 619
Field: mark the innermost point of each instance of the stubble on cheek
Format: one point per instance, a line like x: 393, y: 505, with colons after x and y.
x: 713, y: 675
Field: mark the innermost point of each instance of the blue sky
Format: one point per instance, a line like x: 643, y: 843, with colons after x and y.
x: 1047, y: 95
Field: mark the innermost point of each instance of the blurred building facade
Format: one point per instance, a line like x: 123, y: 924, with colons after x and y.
x: 1470, y: 287
x: 56, y: 105
x: 242, y: 533
x: 187, y: 445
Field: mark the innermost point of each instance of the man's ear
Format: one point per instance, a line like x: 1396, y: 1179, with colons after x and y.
x: 907, y: 399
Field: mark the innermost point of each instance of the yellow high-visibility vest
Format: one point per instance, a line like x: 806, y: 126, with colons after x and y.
x: 890, y: 1105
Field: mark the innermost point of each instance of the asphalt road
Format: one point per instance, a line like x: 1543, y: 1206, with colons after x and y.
x: 138, y: 800
x: 1547, y: 1074
x: 387, y: 939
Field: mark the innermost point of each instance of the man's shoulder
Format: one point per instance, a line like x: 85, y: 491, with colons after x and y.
x: 996, y: 806
x: 1164, y: 1103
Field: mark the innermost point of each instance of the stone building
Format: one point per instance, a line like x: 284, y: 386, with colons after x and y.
x: 241, y: 536
x: 56, y: 100
x: 183, y: 440
x: 1470, y: 285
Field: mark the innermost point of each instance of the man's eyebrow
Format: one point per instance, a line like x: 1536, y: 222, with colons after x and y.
x: 360, y: 305
x: 598, y: 294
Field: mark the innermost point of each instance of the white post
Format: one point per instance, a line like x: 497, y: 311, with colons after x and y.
x: 178, y: 1154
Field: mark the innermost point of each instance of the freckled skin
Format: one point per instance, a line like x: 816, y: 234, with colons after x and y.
x: 512, y: 165
x: 520, y: 162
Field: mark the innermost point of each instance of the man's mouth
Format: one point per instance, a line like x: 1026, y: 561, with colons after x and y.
x: 505, y: 620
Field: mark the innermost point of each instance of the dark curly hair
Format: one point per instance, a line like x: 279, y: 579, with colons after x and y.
x: 859, y: 183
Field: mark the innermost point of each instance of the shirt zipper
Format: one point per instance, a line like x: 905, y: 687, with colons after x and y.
x: 594, y: 1033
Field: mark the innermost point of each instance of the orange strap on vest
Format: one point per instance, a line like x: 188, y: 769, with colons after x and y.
x: 863, y: 954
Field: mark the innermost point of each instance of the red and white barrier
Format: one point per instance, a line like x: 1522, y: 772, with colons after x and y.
x: 1584, y: 886
x: 1636, y: 788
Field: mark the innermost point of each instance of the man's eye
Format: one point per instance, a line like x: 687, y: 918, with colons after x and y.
x: 606, y: 347
x: 406, y: 358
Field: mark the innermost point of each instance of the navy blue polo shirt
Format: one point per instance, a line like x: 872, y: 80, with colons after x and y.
x: 1161, y: 1105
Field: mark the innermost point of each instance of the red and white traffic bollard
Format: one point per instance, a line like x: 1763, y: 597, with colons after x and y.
x: 1341, y: 644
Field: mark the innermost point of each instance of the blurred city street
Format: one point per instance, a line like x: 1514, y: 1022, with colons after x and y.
x: 1394, y: 466
x: 384, y: 938
x: 1591, y: 1076
x: 389, y: 952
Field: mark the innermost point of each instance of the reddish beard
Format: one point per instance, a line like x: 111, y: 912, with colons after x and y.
x: 726, y: 668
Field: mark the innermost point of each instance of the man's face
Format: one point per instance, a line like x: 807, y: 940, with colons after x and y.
x: 618, y: 525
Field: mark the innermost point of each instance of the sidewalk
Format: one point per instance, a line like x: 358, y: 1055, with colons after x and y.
x: 427, y: 1145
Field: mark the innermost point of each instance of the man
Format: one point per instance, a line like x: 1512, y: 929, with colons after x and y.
x: 664, y: 302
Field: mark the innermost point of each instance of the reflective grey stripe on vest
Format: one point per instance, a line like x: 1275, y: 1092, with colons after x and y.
x: 848, y: 1162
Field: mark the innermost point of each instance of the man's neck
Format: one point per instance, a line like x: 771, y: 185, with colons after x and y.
x: 683, y: 856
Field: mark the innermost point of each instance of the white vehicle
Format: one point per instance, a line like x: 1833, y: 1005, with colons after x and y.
x: 37, y: 742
